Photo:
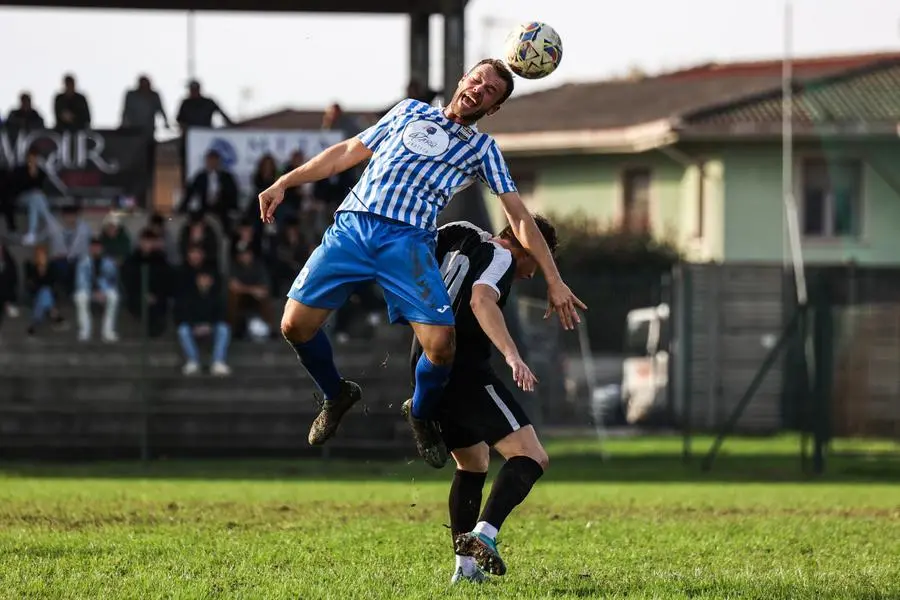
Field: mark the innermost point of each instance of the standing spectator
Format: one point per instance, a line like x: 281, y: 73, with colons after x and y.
x: 114, y: 238
x: 336, y: 119
x: 214, y: 191
x: 196, y: 110
x: 150, y: 255
x: 141, y: 106
x: 40, y: 281
x: 9, y: 283
x: 69, y: 240
x: 24, y: 118
x: 26, y: 187
x: 248, y: 291
x: 71, y: 107
x: 200, y: 312
x: 198, y: 232
x: 96, y: 280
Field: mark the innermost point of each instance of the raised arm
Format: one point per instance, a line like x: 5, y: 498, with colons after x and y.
x: 331, y: 161
x: 560, y: 297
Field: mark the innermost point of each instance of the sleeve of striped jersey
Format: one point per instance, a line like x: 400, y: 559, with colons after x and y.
x: 497, y: 273
x: 494, y: 171
x: 374, y: 135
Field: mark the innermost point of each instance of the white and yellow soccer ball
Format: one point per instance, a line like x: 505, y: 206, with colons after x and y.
x: 533, y: 50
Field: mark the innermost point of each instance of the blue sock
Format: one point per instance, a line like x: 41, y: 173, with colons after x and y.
x: 430, y: 382
x: 317, y: 357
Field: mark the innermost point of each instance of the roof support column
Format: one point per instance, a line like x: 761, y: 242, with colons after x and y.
x: 419, y: 48
x: 454, y: 45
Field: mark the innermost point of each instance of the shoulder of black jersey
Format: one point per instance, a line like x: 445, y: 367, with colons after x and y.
x: 463, y: 229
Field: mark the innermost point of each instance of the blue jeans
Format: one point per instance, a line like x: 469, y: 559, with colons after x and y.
x: 35, y: 202
x: 43, y: 304
x: 221, y: 339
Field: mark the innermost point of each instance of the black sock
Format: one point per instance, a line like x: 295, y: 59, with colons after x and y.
x: 465, y: 501
x: 510, y: 488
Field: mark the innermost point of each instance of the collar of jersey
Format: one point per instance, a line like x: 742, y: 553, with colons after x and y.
x: 453, y: 126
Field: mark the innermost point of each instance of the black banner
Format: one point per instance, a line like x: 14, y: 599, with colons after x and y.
x: 103, y: 168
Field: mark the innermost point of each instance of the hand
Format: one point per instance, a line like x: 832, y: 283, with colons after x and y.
x: 269, y: 200
x: 522, y: 375
x: 562, y: 301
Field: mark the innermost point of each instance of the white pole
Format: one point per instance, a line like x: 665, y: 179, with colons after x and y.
x: 792, y: 223
x: 191, y: 47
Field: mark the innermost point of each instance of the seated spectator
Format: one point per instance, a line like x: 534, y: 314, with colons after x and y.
x: 364, y: 300
x: 294, y: 198
x: 148, y: 258
x: 114, y: 238
x: 9, y: 283
x: 7, y: 199
x: 212, y: 191
x: 291, y: 252
x: 245, y: 236
x: 26, y: 186
x: 97, y: 281
x: 40, y: 281
x: 24, y: 118
x: 198, y: 232
x: 167, y: 243
x: 71, y: 107
x: 266, y: 174
x: 248, y: 291
x: 69, y: 239
x: 200, y: 312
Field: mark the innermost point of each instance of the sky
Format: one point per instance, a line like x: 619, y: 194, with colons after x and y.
x: 252, y: 64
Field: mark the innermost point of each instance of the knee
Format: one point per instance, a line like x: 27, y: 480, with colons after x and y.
x: 296, y: 330
x: 441, y: 346
x: 472, y: 462
x: 540, y: 457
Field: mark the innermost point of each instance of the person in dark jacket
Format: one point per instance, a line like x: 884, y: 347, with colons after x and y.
x: 40, y: 280
x: 150, y: 255
x: 200, y: 312
x: 212, y: 191
x: 71, y: 107
x: 9, y: 282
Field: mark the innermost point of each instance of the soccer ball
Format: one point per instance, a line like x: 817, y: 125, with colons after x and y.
x: 533, y: 50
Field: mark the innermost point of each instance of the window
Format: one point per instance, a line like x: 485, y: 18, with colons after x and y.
x: 831, y: 198
x: 636, y: 199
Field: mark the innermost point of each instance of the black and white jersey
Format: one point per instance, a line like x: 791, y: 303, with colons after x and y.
x: 468, y: 258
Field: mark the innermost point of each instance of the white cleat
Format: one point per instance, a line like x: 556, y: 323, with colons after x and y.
x: 476, y: 576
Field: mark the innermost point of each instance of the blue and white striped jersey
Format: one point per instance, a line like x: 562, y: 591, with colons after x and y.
x: 420, y: 160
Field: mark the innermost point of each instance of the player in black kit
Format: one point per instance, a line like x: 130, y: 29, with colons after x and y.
x: 477, y: 410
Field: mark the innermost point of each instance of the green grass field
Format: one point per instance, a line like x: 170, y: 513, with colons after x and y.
x: 639, y: 526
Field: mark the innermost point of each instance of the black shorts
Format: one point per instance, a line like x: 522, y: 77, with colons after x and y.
x: 478, y: 407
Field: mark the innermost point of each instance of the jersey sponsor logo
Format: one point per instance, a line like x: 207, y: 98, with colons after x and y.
x: 425, y: 138
x: 454, y: 270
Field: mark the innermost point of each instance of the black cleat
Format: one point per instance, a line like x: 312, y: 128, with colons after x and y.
x: 332, y: 411
x: 427, y: 435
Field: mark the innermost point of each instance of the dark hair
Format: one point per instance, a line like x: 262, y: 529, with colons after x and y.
x: 503, y: 72
x: 148, y: 234
x: 544, y: 226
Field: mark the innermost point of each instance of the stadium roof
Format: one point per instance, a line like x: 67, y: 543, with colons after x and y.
x: 320, y: 6
x: 712, y: 100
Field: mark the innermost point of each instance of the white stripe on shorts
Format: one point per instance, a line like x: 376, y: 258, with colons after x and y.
x: 503, y: 408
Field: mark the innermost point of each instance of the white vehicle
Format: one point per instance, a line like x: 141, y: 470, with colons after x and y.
x: 645, y: 370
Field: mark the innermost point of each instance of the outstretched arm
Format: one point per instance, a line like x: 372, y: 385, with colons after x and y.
x: 331, y: 161
x: 490, y: 318
x: 561, y: 298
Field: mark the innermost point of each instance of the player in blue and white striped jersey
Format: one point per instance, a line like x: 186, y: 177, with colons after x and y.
x: 384, y: 231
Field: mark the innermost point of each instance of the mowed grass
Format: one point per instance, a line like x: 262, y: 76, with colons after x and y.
x: 640, y: 525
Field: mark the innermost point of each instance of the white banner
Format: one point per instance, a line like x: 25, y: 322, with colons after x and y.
x: 241, y: 150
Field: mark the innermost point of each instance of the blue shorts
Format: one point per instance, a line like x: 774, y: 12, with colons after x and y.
x: 362, y: 247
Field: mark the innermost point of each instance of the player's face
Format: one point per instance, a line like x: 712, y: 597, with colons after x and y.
x: 478, y: 94
x: 526, y: 266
